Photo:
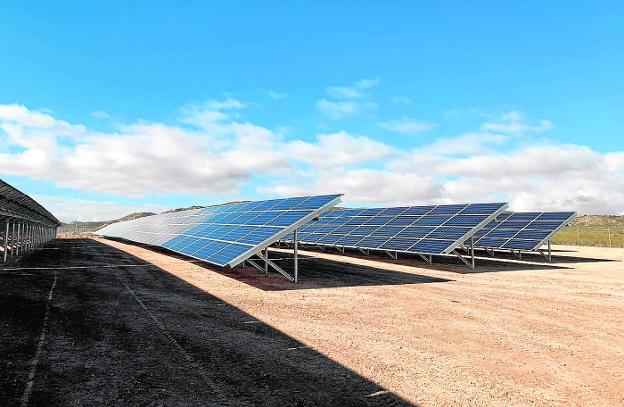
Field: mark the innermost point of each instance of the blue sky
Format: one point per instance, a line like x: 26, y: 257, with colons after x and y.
x: 374, y: 100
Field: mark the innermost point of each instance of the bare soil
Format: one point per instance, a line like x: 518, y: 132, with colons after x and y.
x: 160, y: 329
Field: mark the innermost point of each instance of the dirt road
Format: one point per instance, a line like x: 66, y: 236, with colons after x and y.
x: 357, y: 330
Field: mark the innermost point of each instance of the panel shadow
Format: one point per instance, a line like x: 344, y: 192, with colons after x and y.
x: 314, y: 272
x: 125, y: 332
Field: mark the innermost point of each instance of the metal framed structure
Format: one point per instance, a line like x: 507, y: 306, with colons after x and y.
x: 229, y: 234
x: 24, y: 223
x: 425, y: 231
x: 520, y: 232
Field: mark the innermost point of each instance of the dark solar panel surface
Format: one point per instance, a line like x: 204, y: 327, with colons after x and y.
x: 435, y: 229
x: 226, y: 234
x: 521, y: 230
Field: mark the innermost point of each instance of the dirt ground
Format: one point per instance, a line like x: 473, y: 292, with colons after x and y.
x: 129, y: 325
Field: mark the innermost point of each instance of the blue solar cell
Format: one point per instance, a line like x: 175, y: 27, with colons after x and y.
x: 485, y: 208
x: 238, y: 232
x: 393, y: 211
x: 315, y: 202
x: 466, y: 220
x: 502, y: 233
x: 555, y: 216
x: 315, y: 237
x: 417, y: 210
x: 399, y: 244
x: 372, y: 242
x: 489, y: 243
x: 430, y: 246
x: 177, y: 241
x: 329, y: 239
x: 521, y: 244
x: 288, y: 218
x: 227, y: 253
x: 435, y: 220
x: 532, y: 234
x: 208, y: 249
x: 343, y: 230
x: 264, y: 218
x: 348, y: 240
x: 372, y: 211
x: 357, y: 220
x: 523, y: 216
x: 259, y: 235
x: 353, y: 212
x: 403, y: 220
x: 387, y: 231
x: 415, y: 232
x: 512, y: 225
x: 447, y: 209
x: 364, y: 230
x: 444, y: 232
x: 378, y: 220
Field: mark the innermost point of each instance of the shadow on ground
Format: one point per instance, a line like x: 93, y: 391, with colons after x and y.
x: 314, y: 272
x: 125, y: 332
x: 441, y: 263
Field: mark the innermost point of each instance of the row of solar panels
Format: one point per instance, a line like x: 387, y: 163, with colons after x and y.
x: 225, y: 234
x: 436, y: 230
x: 228, y: 234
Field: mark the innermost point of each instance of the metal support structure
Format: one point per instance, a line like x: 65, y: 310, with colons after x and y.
x: 13, y: 240
x: 393, y: 255
x: 428, y: 259
x: 340, y: 249
x: 6, y: 241
x: 266, y: 264
x: 18, y: 241
x: 276, y: 267
x: 365, y: 251
x: 471, y: 263
x: 472, y: 256
x: 296, y: 252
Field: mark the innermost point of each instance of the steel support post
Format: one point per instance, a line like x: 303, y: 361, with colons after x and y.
x: 296, y: 252
x: 12, y: 239
x: 18, y: 239
x: 266, y: 262
x: 549, y: 252
x: 6, y: 240
x: 472, y: 258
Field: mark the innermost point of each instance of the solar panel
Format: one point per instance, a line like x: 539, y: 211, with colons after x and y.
x: 226, y: 234
x: 437, y: 229
x: 522, y: 230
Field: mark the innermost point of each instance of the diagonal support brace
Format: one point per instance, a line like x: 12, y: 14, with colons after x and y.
x: 275, y: 267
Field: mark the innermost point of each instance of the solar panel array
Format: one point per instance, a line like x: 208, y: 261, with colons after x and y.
x: 225, y: 234
x: 521, y: 230
x: 436, y: 229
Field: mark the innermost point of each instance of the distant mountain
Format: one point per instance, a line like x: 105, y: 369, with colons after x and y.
x: 599, y: 220
x: 82, y: 227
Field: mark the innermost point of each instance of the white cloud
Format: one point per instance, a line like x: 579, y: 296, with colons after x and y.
x: 275, y: 95
x: 406, y: 125
x: 338, y: 110
x: 212, y: 152
x: 513, y: 123
x: 142, y: 158
x: 337, y: 150
x: 100, y: 114
x: 346, y: 101
x: 68, y: 210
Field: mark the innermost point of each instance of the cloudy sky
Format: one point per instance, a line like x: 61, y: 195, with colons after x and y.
x: 108, y: 109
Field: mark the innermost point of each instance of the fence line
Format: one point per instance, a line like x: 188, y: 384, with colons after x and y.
x: 582, y: 235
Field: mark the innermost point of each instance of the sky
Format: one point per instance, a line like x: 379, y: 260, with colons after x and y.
x: 113, y: 107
